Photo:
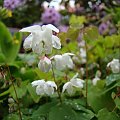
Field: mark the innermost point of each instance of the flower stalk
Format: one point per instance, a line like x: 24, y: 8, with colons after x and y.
x: 55, y: 82
x: 86, y: 83
x: 11, y: 79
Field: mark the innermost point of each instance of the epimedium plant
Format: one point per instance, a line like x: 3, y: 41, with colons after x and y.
x: 44, y: 85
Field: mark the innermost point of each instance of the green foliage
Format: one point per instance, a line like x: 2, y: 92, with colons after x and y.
x: 112, y: 78
x: 62, y: 112
x: 98, y: 99
x: 77, y: 21
x: 12, y: 117
x: 9, y: 46
x: 104, y: 114
x: 20, y: 90
x: 32, y: 93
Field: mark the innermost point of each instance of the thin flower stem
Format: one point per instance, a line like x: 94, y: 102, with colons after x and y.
x: 86, y: 75
x: 56, y: 82
x: 114, y: 108
x: 11, y: 79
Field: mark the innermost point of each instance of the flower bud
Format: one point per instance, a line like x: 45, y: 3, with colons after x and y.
x: 44, y: 64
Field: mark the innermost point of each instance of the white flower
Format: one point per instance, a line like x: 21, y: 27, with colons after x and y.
x: 49, y: 87
x: 74, y: 82
x: 62, y: 62
x: 67, y: 61
x: 114, y: 65
x: 83, y: 55
x: 38, y: 82
x: 41, y: 38
x: 97, y: 77
x: 69, y: 88
x: 94, y: 81
x: 44, y: 88
x: 44, y: 64
x: 58, y: 62
x: 77, y: 82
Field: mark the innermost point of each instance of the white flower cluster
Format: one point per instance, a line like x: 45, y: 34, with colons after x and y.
x: 41, y: 40
x: 114, y: 65
x: 49, y: 87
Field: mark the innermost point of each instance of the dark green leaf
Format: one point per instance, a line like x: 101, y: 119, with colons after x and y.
x: 104, y: 114
x: 62, y: 112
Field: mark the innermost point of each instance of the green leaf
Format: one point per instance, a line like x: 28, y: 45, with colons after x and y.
x: 42, y: 75
x: 62, y: 112
x: 43, y: 110
x: 9, y: 46
x: 33, y: 94
x: 81, y: 111
x: 12, y: 117
x: 21, y: 90
x: 116, y: 100
x: 104, y: 114
x: 30, y: 74
x: 72, y: 34
x: 112, y: 78
x: 2, y: 58
x: 98, y: 98
x: 77, y: 21
x: 91, y: 34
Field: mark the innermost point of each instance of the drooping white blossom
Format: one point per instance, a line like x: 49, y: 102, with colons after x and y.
x: 114, y: 65
x: 44, y: 64
x: 63, y: 61
x: 41, y: 40
x: 38, y: 82
x: 49, y: 87
x: 69, y: 88
x: 97, y: 78
x: 44, y: 88
x: 72, y: 84
x: 83, y: 55
x: 67, y: 61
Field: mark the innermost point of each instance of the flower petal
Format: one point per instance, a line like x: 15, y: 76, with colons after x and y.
x: 77, y: 82
x: 58, y: 62
x: 38, y: 48
x: 69, y: 88
x: 38, y: 82
x: 40, y: 90
x: 52, y: 84
x: 66, y: 85
x: 28, y: 42
x: 67, y: 61
x: 68, y: 54
x: 56, y: 42
x: 52, y: 27
x: 48, y: 89
x: 33, y: 28
x: 94, y: 81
